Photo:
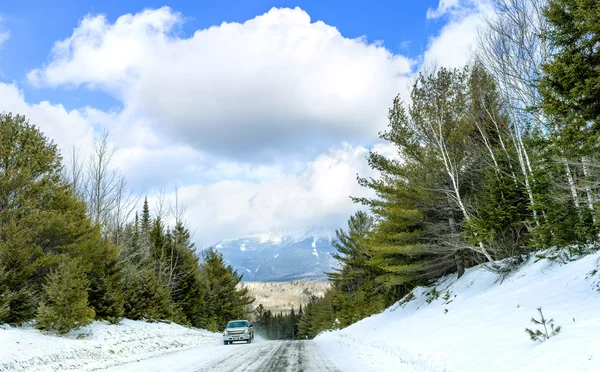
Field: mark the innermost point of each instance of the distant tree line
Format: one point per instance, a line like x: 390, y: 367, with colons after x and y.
x: 315, y: 316
x: 71, y: 251
x: 495, y: 160
x: 276, y: 326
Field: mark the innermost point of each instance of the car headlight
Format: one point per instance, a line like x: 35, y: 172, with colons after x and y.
x: 224, y: 333
x: 246, y: 331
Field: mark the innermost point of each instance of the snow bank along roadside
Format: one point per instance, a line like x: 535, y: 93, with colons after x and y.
x: 477, y: 323
x: 96, y: 346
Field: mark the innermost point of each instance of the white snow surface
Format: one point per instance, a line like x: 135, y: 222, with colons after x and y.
x: 100, y: 345
x: 478, y: 324
x: 314, y: 247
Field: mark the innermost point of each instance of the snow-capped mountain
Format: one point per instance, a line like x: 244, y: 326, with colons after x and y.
x: 282, y: 255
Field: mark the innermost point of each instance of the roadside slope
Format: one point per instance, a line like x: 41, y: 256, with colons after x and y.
x: 100, y: 345
x: 477, y: 323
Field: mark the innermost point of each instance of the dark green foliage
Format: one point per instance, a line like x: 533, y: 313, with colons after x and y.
x: 56, y: 265
x: 146, y: 298
x: 454, y: 200
x: 223, y: 301
x: 571, y: 83
x: 317, y: 316
x: 65, y: 303
x: 275, y: 327
x: 569, y: 147
x: 40, y: 218
x: 358, y: 290
x: 187, y: 290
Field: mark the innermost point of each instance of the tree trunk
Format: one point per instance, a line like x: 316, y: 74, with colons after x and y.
x: 460, y: 264
x: 588, y: 188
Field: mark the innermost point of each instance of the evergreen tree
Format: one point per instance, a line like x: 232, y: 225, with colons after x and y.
x: 146, y: 298
x: 40, y: 219
x: 570, y: 94
x: 570, y: 85
x: 187, y: 290
x: 65, y: 304
x: 223, y: 301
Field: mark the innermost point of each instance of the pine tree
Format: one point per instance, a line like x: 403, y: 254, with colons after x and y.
x: 570, y: 86
x: 146, y: 298
x: 40, y: 219
x: 570, y: 94
x: 223, y: 301
x: 65, y: 304
x: 187, y: 290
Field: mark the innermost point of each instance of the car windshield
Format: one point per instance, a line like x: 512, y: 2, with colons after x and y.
x: 237, y: 324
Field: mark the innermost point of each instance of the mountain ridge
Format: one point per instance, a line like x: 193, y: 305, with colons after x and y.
x: 282, y: 255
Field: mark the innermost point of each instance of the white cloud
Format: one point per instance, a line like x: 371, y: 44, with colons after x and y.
x: 262, y: 124
x: 443, y: 7
x: 67, y: 129
x: 320, y: 195
x: 452, y: 46
x: 276, y: 83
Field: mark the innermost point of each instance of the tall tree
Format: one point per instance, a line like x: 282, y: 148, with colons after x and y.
x: 41, y: 219
x: 570, y: 88
x: 223, y: 301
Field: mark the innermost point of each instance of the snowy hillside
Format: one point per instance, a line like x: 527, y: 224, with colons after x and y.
x: 477, y: 323
x: 97, y: 346
x: 281, y: 255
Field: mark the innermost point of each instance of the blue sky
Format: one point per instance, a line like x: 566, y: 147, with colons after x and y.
x: 35, y: 25
x: 260, y: 123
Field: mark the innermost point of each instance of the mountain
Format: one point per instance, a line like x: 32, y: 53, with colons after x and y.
x: 281, y: 256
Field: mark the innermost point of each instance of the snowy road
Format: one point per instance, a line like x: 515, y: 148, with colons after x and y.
x: 264, y: 356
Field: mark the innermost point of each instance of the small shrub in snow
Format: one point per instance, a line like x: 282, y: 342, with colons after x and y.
x: 448, y: 297
x: 408, y: 298
x: 506, y: 266
x: 433, y: 295
x: 542, y: 335
x: 569, y: 253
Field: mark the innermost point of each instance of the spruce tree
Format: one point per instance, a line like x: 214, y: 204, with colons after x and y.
x: 223, y: 300
x: 570, y: 90
x: 187, y: 291
x: 65, y: 304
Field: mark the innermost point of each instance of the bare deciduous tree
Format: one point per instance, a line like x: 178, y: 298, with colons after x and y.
x: 511, y: 49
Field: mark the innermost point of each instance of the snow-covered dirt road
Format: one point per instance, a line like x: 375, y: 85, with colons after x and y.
x: 261, y: 356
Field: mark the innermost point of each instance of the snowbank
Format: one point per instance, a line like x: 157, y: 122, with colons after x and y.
x: 97, y: 346
x: 477, y: 323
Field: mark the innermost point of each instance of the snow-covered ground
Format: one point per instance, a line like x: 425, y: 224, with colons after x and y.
x: 478, y: 324
x: 97, y: 346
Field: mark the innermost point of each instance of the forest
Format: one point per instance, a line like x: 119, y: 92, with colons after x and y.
x: 496, y: 160
x: 73, y: 249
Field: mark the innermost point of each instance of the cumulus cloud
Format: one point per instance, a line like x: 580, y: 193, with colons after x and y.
x: 67, y: 129
x: 452, y: 46
x: 443, y: 7
x: 276, y: 83
x: 315, y: 197
x: 261, y: 125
